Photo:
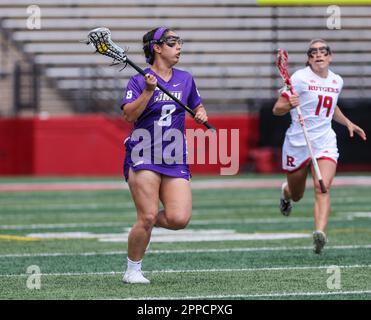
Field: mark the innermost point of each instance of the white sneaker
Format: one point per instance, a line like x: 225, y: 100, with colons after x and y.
x: 285, y: 205
x: 133, y: 276
x: 319, y: 241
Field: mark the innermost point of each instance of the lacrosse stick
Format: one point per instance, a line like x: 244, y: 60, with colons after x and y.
x: 282, y: 59
x: 100, y: 39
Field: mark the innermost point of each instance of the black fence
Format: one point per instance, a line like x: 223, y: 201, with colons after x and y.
x: 26, y: 87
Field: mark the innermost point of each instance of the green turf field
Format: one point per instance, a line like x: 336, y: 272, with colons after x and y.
x: 237, y: 246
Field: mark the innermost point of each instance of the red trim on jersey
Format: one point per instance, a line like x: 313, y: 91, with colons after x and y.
x: 327, y: 158
x: 304, y: 164
x: 307, y: 161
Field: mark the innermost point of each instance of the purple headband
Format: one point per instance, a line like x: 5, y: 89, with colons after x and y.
x: 157, y: 36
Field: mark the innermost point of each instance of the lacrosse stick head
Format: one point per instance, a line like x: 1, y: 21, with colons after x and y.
x: 100, y: 39
x: 282, y: 59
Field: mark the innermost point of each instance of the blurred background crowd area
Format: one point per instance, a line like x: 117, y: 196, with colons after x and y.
x: 46, y: 72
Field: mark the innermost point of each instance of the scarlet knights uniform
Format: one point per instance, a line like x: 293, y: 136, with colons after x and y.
x: 318, y: 99
x: 157, y: 142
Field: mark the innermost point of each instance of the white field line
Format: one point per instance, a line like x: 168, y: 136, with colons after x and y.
x: 247, y: 183
x: 193, y: 222
x: 252, y: 249
x: 356, y: 266
x: 261, y: 220
x: 130, y: 204
x: 263, y: 295
x: 358, y: 214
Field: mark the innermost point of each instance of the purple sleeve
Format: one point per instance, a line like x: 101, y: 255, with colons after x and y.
x: 194, y: 99
x: 132, y: 92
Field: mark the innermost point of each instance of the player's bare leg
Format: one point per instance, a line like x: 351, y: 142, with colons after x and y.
x: 322, y: 204
x: 144, y: 186
x: 293, y: 189
x: 296, y: 184
x: 176, y: 196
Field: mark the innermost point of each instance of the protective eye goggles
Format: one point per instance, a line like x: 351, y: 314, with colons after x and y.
x: 169, y: 41
x: 172, y: 41
x: 325, y: 50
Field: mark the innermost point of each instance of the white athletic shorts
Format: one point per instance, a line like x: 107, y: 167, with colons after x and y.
x: 297, y: 157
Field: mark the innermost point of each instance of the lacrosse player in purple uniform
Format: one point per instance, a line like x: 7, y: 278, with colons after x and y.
x: 155, y: 164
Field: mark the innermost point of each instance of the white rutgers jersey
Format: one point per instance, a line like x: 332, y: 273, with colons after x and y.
x: 318, y: 98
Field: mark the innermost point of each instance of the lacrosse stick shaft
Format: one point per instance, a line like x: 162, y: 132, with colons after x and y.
x: 282, y: 59
x: 141, y: 71
x: 314, y: 160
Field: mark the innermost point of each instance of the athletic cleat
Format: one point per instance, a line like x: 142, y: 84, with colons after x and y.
x: 319, y: 241
x: 133, y: 276
x: 285, y: 205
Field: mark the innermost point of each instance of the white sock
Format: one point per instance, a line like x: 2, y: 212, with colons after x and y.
x: 134, y: 265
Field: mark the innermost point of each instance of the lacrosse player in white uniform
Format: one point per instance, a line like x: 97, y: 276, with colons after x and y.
x: 316, y: 91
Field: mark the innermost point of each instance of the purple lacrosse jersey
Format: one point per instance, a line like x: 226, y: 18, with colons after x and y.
x: 157, y: 142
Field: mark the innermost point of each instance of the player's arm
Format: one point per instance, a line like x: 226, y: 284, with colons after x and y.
x: 342, y: 119
x: 133, y: 110
x: 201, y: 115
x: 284, y: 104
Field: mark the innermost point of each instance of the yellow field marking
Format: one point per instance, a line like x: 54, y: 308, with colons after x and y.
x: 11, y: 237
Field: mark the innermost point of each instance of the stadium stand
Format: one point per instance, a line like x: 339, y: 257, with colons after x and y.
x: 229, y: 48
